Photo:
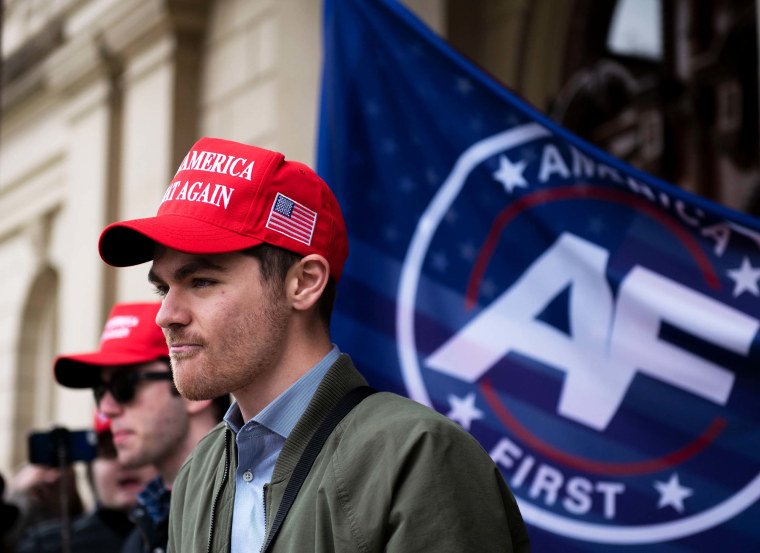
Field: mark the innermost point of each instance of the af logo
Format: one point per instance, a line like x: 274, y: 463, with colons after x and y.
x: 588, y: 339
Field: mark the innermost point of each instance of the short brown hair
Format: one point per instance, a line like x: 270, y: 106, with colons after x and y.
x: 276, y: 262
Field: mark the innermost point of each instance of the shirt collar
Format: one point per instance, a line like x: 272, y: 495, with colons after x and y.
x: 282, y: 414
x: 155, y: 497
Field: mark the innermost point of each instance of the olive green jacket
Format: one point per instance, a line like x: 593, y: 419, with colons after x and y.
x: 393, y: 476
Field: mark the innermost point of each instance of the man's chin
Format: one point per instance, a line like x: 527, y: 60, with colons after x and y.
x: 182, y: 362
x: 192, y: 380
x: 191, y: 390
x: 192, y: 395
x: 130, y: 461
x: 184, y: 371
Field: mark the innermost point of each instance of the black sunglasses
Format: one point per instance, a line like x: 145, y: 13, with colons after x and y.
x: 122, y: 385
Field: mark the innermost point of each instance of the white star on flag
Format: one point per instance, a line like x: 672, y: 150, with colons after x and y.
x: 451, y: 216
x: 510, y: 174
x: 745, y: 278
x: 463, y: 410
x: 464, y: 86
x: 488, y: 288
x: 468, y: 251
x: 440, y: 261
x: 596, y: 225
x: 672, y: 493
x: 372, y: 107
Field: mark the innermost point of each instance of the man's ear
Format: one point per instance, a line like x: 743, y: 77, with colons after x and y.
x: 194, y: 407
x: 306, y: 281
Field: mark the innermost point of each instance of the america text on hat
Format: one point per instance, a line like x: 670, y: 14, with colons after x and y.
x: 197, y: 192
x: 119, y: 327
x: 217, y: 163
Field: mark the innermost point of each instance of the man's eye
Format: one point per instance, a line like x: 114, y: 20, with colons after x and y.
x: 161, y: 291
x: 202, y: 282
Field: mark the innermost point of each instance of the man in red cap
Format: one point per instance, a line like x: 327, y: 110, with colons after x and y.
x: 247, y: 249
x: 151, y: 424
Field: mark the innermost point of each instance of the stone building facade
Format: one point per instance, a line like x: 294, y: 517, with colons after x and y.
x: 101, y: 99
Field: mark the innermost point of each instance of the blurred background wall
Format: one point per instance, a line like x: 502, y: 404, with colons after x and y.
x: 102, y: 98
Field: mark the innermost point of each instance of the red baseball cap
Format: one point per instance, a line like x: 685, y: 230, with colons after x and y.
x: 131, y: 336
x: 227, y: 197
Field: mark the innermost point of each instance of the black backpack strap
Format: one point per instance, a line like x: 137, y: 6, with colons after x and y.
x: 309, y: 455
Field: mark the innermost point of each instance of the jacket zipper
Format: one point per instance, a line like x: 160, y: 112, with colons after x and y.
x: 264, y: 495
x: 221, y: 487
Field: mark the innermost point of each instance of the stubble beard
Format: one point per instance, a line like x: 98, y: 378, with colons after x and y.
x: 243, y: 354
x: 161, y: 441
x: 132, y: 459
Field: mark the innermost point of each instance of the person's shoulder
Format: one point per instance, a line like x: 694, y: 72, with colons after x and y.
x: 86, y: 522
x: 41, y: 537
x: 46, y: 536
x: 391, y: 415
x: 390, y: 431
x: 394, y: 407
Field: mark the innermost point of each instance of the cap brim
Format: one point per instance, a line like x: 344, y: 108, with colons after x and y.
x: 132, y: 242
x: 83, y: 370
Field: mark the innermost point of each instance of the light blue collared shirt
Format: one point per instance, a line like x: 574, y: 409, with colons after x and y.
x: 259, y: 442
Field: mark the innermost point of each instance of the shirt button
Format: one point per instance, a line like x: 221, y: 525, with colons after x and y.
x: 248, y: 476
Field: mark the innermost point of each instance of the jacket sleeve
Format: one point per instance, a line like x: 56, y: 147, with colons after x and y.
x: 433, y: 488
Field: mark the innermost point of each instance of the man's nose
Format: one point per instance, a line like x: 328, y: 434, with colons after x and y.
x: 109, y: 406
x: 173, y: 312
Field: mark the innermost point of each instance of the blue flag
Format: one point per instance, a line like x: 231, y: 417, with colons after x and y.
x: 595, y: 328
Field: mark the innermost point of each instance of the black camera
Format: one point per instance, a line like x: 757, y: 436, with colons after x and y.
x: 61, y: 446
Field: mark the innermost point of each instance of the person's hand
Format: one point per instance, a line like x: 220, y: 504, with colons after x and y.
x: 37, y: 484
x: 36, y: 489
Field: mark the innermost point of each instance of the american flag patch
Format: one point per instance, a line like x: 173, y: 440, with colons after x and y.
x: 290, y: 218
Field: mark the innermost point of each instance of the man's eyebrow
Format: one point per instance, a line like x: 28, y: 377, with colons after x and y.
x: 181, y: 273
x: 153, y: 278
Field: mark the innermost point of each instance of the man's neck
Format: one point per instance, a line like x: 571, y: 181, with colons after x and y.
x: 169, y: 469
x: 200, y: 425
x: 253, y: 397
